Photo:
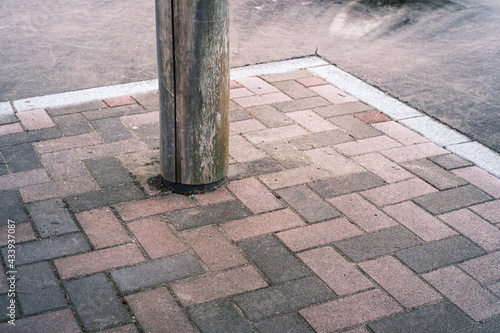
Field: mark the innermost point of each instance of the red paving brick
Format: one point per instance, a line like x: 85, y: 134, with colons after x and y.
x: 97, y: 261
x: 371, y: 117
x: 219, y: 285
x: 157, y: 311
x: 489, y: 211
x: 24, y: 233
x: 35, y: 119
x: 383, y: 167
x: 141, y: 119
x: 245, y: 126
x: 156, y: 237
x: 350, y: 311
x: 69, y: 142
x: 399, y: 281
x: 11, y: 128
x: 415, y: 152
x: 153, y: 206
x: 102, y: 227
x: 275, y: 134
x: 318, y: 234
x: 216, y: 251
x: 339, y: 274
x: 63, y: 320
x: 336, y: 163
x: 112, y: 148
x: 311, y: 81
x: 254, y: 195
x: 481, y: 179
x: 311, y: 121
x: 58, y: 189
x: 366, y: 146
x: 400, y: 133
x: 398, y: 192
x: 262, y: 224
x: 119, y: 101
x: 294, y: 177
x: 22, y: 179
x: 332, y: 94
x: 485, y: 269
x: 211, y: 198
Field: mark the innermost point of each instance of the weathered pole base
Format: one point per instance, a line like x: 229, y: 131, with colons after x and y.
x: 192, y: 189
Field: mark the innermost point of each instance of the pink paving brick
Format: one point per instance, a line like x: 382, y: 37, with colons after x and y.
x: 98, y: 261
x: 141, y: 119
x: 295, y: 177
x: 234, y: 85
x: 21, y: 179
x: 332, y: 94
x: 485, y: 269
x: 119, y: 101
x: 63, y: 164
x: 276, y: 134
x: 254, y: 195
x: 366, y: 146
x: 371, y: 117
x: 257, y: 85
x: 336, y: 163
x: 11, y: 128
x: 216, y: 251
x: 466, y: 293
x: 245, y: 126
x: 69, y: 142
x: 240, y: 92
x: 35, y: 119
x: 475, y: 228
x: 219, y: 285
x: 383, y: 167
x: 247, y: 102
x: 156, y: 237
x: 157, y: 311
x: 495, y: 288
x: 398, y: 192
x: 311, y: 81
x: 481, y: 179
x: 339, y: 274
x: 399, y: 281
x: 421, y: 223
x: 153, y: 206
x: 211, y: 198
x: 364, y: 214
x: 24, y: 233
x: 112, y: 148
x: 262, y: 224
x: 349, y: 311
x: 311, y: 121
x: 58, y: 189
x: 318, y: 234
x: 242, y: 150
x: 63, y: 320
x: 415, y: 152
x: 400, y: 133
x: 489, y: 211
x: 102, y: 228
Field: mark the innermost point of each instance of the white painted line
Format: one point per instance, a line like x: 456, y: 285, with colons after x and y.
x: 275, y: 67
x: 365, y: 93
x: 482, y: 156
x: 5, y: 109
x: 434, y: 131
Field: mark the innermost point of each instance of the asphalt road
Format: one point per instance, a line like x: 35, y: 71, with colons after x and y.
x: 440, y: 56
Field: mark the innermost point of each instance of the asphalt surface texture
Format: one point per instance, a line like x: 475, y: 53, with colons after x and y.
x: 439, y: 56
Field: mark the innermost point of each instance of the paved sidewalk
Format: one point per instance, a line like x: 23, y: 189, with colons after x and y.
x: 334, y: 218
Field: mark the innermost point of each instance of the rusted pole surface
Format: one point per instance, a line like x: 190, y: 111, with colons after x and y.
x: 193, y: 66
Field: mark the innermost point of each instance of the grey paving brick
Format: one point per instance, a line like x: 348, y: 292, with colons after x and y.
x: 437, y: 318
x: 150, y: 101
x: 107, y: 171
x: 96, y: 303
x: 156, y: 272
x: 93, y: 105
x: 105, y: 197
x: 270, y: 116
x: 291, y: 323
x: 49, y: 248
x: 273, y: 259
x: 219, y: 317
x: 111, y: 129
x: 4, y: 304
x: 38, y: 289
x: 28, y: 137
x: 3, y: 166
x: 433, y: 174
x: 446, y: 201
x: 321, y: 139
x: 238, y: 114
x: 8, y: 119
x: 286, y: 154
x: 51, y: 218
x: 341, y: 109
x: 301, y: 104
x: 308, y: 204
x: 450, y: 161
x: 205, y: 215
x: 378, y: 243
x: 73, y: 124
x: 438, y: 254
x: 12, y: 208
x: 289, y: 296
x: 21, y: 158
x: 346, y: 184
x: 253, y: 168
x: 119, y: 111
x: 490, y: 326
x: 149, y: 134
x: 294, y: 89
x: 355, y: 127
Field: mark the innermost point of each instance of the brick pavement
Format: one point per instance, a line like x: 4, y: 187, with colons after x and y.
x: 334, y: 218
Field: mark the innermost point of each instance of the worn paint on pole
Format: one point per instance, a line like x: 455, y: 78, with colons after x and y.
x: 193, y: 66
